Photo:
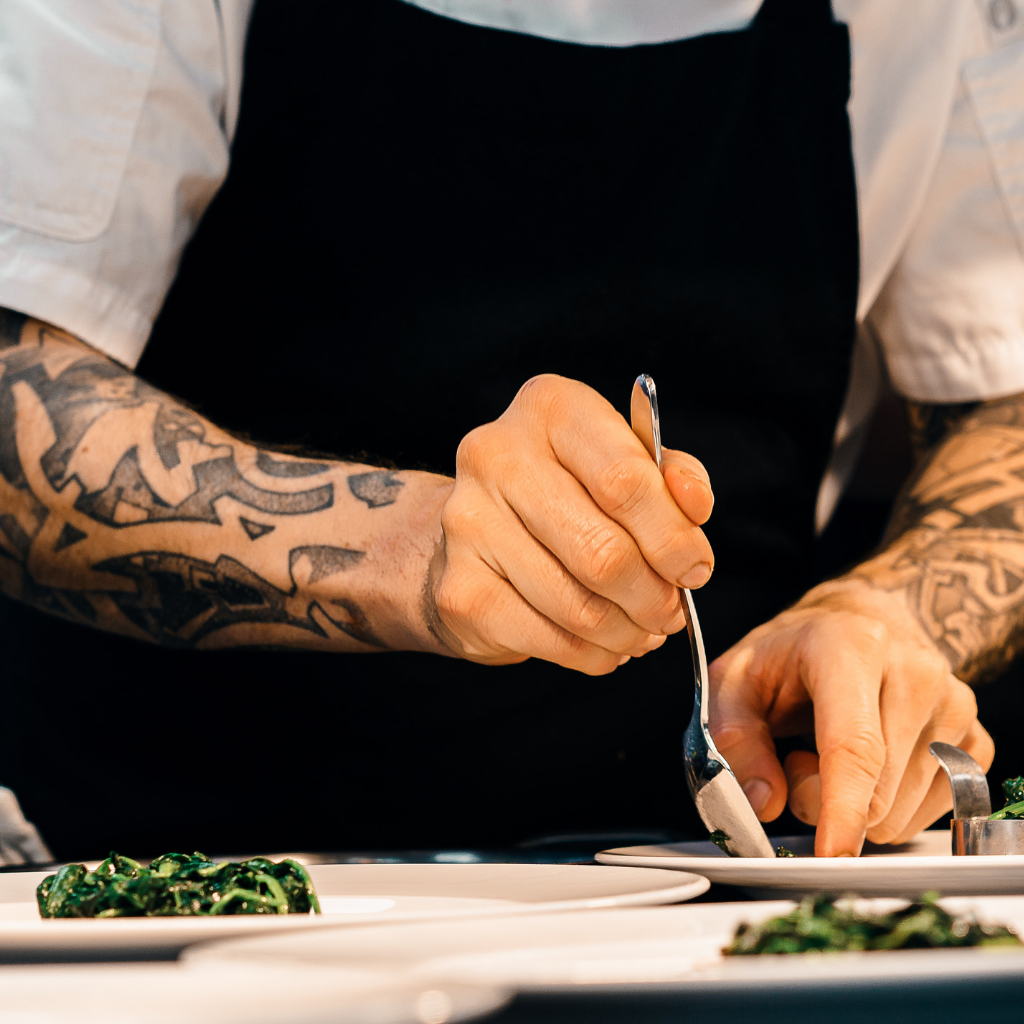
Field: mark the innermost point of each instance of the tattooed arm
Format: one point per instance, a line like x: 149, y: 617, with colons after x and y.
x: 876, y: 663
x: 955, y: 546
x: 123, y: 509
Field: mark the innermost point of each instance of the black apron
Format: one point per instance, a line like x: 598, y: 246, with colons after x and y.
x: 420, y: 215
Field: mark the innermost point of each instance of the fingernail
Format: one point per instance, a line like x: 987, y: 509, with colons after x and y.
x: 623, y: 660
x: 851, y: 853
x: 805, y: 799
x: 697, y: 576
x: 758, y: 793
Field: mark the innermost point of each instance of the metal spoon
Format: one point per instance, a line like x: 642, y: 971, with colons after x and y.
x: 721, y: 802
x: 971, y: 797
x: 972, y: 832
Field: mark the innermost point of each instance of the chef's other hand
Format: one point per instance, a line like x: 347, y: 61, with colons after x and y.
x: 561, y: 540
x: 850, y: 664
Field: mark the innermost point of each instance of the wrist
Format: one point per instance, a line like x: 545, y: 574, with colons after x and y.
x: 867, y: 590
x: 396, y: 568
x: 355, y: 570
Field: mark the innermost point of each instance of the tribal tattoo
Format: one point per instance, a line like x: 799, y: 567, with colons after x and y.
x: 123, y: 509
x: 955, y: 545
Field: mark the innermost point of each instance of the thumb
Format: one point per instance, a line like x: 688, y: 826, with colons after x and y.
x: 689, y: 484
x: 741, y: 733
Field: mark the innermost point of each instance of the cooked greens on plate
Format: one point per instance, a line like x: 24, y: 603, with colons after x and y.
x: 1013, y: 790
x: 819, y: 925
x: 177, y: 885
x: 721, y: 840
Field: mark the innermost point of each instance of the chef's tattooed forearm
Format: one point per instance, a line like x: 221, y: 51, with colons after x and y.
x: 122, y: 508
x: 377, y: 488
x: 955, y: 545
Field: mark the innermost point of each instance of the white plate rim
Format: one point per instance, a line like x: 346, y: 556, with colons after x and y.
x: 765, y: 974
x: 139, y: 934
x: 849, y: 865
x: 878, y: 873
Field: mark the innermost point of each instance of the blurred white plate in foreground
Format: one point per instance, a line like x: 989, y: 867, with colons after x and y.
x: 352, y: 894
x: 663, y: 945
x: 925, y: 863
x: 230, y: 994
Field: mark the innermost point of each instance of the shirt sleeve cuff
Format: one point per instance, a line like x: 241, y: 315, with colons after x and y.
x: 99, y: 315
x: 985, y: 369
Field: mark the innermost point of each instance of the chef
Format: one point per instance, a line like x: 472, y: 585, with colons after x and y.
x: 381, y: 410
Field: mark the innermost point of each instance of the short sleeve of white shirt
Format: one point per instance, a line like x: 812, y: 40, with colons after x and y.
x: 115, y: 121
x: 950, y: 314
x: 116, y: 118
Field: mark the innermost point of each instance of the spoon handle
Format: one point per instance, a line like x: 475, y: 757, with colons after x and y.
x: 646, y: 423
x: 720, y: 801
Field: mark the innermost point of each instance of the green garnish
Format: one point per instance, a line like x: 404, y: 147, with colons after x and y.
x: 1013, y: 790
x: 720, y: 839
x: 817, y: 924
x: 177, y: 884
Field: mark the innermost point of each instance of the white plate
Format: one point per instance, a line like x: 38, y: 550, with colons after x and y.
x: 230, y: 994
x: 352, y: 894
x: 664, y: 945
x: 925, y: 863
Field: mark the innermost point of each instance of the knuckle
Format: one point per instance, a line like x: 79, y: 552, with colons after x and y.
x: 574, y: 652
x: 598, y: 663
x: 868, y: 630
x: 458, y: 518
x: 590, y: 614
x: 608, y: 557
x: 448, y: 598
x: 604, y: 667
x: 458, y: 602
x: 883, y: 833
x: 475, y: 449
x: 544, y: 392
x: 735, y: 736
x: 984, y: 749
x: 451, y: 515
x: 541, y: 384
x: 934, y: 664
x: 859, y: 752
x: 862, y: 638
x: 622, y: 486
x: 880, y: 806
x: 666, y: 606
x: 854, y: 629
x: 963, y: 701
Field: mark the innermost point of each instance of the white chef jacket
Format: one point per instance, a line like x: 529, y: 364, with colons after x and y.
x: 116, y: 118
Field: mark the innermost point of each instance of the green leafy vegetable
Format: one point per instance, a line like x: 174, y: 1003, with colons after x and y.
x: 1013, y: 790
x: 720, y: 838
x: 818, y: 924
x: 177, y: 884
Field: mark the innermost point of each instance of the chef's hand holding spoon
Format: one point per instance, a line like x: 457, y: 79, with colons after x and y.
x: 562, y: 540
